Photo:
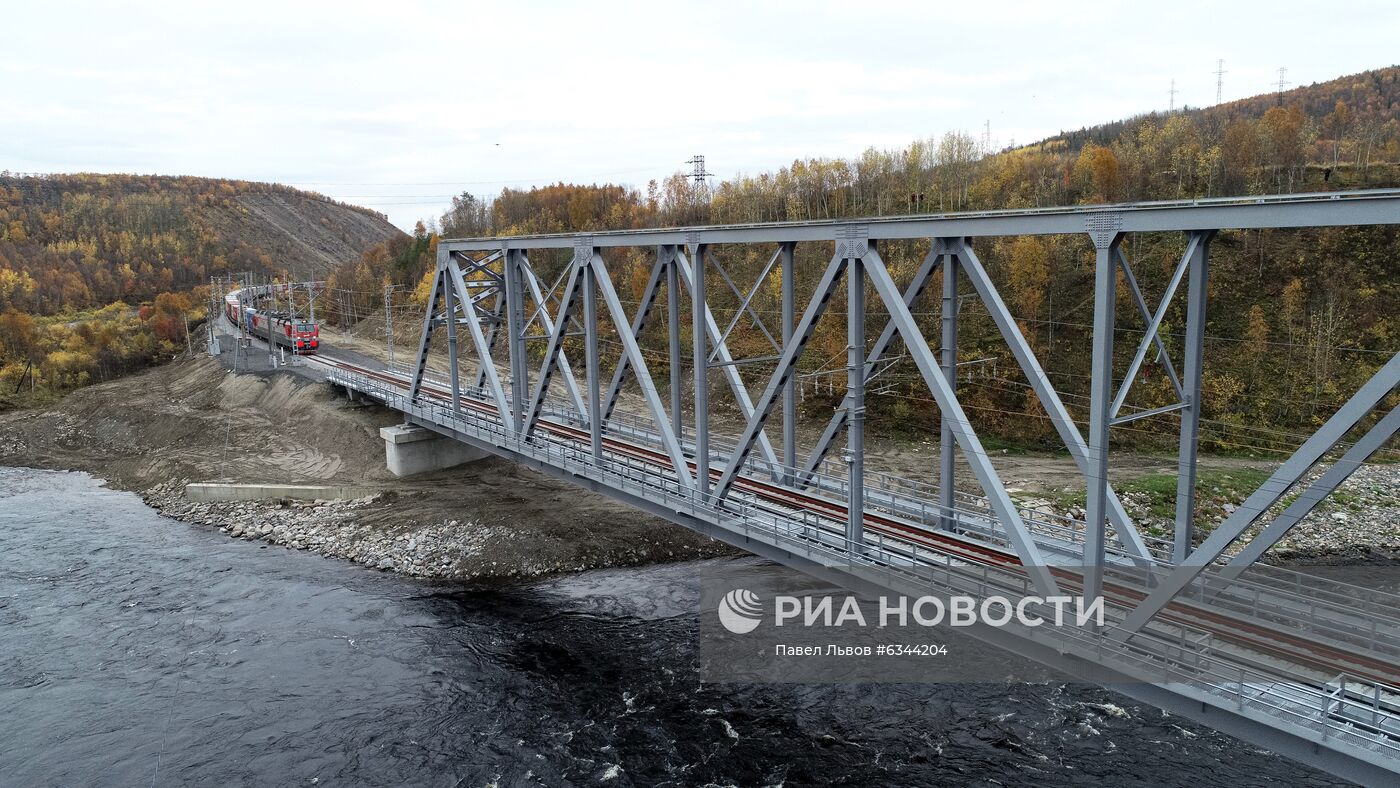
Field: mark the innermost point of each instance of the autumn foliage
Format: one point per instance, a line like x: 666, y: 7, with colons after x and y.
x: 41, y: 356
x: 80, y: 241
x: 1298, y: 318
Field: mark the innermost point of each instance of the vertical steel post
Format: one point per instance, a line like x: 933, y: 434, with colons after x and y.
x: 673, y: 320
x: 785, y: 253
x: 590, y: 329
x: 449, y: 300
x: 242, y: 330
x: 855, y: 388
x: 515, y: 335
x: 388, y: 322
x: 1196, y: 298
x: 702, y: 369
x: 947, y: 446
x: 1100, y: 403
x: 271, y: 343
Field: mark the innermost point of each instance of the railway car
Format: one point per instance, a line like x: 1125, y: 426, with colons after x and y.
x: 231, y: 309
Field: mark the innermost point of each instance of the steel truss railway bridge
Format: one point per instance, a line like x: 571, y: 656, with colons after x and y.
x: 1306, y: 667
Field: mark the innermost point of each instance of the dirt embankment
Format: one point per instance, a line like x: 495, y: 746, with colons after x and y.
x: 194, y: 421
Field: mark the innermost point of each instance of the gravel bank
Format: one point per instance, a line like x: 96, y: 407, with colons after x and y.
x: 1360, y: 520
x: 195, y: 422
x: 366, y: 531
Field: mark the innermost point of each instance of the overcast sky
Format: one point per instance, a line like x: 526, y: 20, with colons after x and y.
x: 399, y: 105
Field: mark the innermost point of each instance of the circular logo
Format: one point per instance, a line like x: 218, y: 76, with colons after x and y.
x: 740, y: 611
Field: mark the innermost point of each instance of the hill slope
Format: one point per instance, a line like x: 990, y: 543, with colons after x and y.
x: 1298, y: 318
x: 1371, y: 98
x: 83, y: 240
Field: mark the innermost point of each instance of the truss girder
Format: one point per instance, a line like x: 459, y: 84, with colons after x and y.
x: 567, y: 372
x: 497, y: 312
x: 748, y: 299
x: 1274, y: 488
x: 420, y: 366
x: 639, y: 323
x: 634, y: 355
x: 488, y: 298
x: 726, y: 361
x: 1154, y: 321
x: 951, y: 249
x: 753, y: 426
x: 493, y: 378
x: 1000, y: 500
x: 1322, y: 209
x: 744, y: 300
x: 838, y: 419
x: 555, y: 349
x: 1049, y: 398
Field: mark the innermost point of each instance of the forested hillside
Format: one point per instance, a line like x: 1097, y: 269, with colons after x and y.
x: 1297, y: 319
x: 103, y: 274
x: 1341, y: 134
x: 82, y: 241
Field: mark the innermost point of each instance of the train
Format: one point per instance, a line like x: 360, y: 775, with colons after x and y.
x: 301, y: 336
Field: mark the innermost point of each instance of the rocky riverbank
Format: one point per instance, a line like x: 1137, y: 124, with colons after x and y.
x: 190, y: 421
x: 366, y: 531
x: 331, y: 528
x: 1360, y: 521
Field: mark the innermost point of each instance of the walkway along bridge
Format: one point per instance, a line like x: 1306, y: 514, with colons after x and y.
x: 1304, y: 666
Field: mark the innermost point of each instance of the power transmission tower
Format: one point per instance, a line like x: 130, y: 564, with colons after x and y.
x: 1281, y: 84
x: 1220, y: 73
x: 987, y: 137
x: 1171, y: 107
x: 698, y: 174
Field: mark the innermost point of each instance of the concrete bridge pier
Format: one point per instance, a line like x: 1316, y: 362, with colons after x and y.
x: 410, y: 449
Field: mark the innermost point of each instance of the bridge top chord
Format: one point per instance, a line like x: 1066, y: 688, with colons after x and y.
x: 1313, y: 209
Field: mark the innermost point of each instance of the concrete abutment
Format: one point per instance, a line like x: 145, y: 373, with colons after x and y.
x: 410, y: 449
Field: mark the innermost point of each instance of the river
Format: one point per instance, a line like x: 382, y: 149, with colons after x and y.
x: 137, y: 650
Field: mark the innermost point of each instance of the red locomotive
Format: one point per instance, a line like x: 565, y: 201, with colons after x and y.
x: 301, y: 336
